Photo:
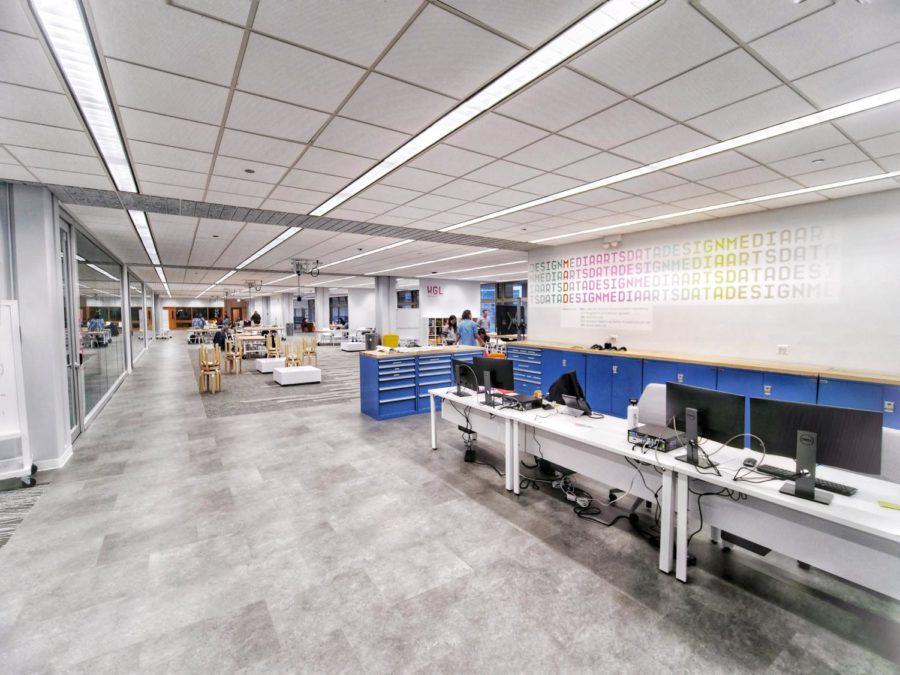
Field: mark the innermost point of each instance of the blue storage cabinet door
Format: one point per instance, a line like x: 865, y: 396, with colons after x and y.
x: 794, y: 388
x: 627, y: 383
x: 396, y: 387
x: 696, y: 375
x: 848, y: 394
x: 891, y: 396
x: 556, y: 362
x: 659, y: 371
x: 432, y: 372
x: 598, y: 382
x: 368, y: 386
x: 526, y: 368
x: 749, y: 383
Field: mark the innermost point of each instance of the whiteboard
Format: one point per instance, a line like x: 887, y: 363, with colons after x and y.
x: 15, y: 455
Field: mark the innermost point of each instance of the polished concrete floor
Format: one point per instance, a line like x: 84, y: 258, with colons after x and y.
x: 319, y: 540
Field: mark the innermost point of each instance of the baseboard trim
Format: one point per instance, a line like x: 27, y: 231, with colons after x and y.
x: 56, y: 462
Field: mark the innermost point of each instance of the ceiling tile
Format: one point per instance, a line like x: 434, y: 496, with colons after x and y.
x: 144, y: 126
x: 702, y: 201
x: 360, y: 138
x: 751, y: 176
x: 390, y: 194
x: 621, y: 123
x: 795, y: 143
x: 465, y: 189
x: 832, y: 157
x: 495, y: 135
x: 449, y: 160
x: 560, y: 99
x: 237, y: 186
x: 863, y: 188
x: 16, y: 172
x: 447, y: 68
x: 598, y: 197
x: 669, y: 40
x: 471, y: 209
x: 367, y: 206
x: 436, y: 202
x: 557, y: 208
x: 503, y: 173
x: 174, y: 191
x: 303, y: 196
x: 875, y: 122
x: 170, y: 39
x: 411, y: 212
x: 46, y: 159
x: 335, y: 163
x: 547, y: 184
x: 258, y: 148
x: 14, y: 19
x: 597, y: 167
x: 232, y: 199
x: 749, y: 20
x: 236, y: 168
x: 273, y: 118
x: 847, y: 172
x: 155, y: 91
x: 169, y: 176
x: 285, y: 72
x: 754, y: 113
x: 729, y: 78
x: 175, y: 158
x: 649, y: 183
x: 866, y: 75
x: 311, y: 180
x: 37, y: 106
x: 357, y: 31
x: 49, y: 138
x: 6, y: 158
x: 532, y: 22
x: 415, y: 179
x: 508, y: 197
x: 24, y: 62
x: 768, y: 188
x: 683, y: 191
x: 389, y: 103
x: 652, y: 211
x: 663, y: 144
x: 882, y: 146
x: 289, y: 206
x: 724, y: 162
x: 851, y: 28
x: 72, y: 178
x: 551, y: 152
x: 235, y: 11
x: 629, y: 204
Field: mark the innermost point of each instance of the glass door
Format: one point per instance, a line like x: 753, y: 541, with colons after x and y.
x: 72, y: 341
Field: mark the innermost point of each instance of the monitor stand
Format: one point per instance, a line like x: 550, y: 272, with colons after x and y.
x: 693, y: 455
x: 459, y: 390
x: 488, y: 391
x: 804, y: 486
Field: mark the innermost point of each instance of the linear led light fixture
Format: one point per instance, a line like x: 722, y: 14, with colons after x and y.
x: 484, y: 267
x: 280, y: 239
x: 224, y: 277
x: 205, y: 290
x: 812, y: 119
x: 726, y: 205
x: 588, y: 30
x: 491, y: 276
x: 402, y: 242
x: 430, y: 262
x: 142, y: 227
x: 102, y: 271
x: 330, y: 281
x: 64, y: 26
x: 162, y: 278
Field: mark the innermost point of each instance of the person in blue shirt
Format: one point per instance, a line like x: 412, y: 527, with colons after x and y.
x: 96, y: 324
x: 467, y: 330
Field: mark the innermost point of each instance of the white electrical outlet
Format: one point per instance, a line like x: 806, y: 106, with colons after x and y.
x: 783, y: 350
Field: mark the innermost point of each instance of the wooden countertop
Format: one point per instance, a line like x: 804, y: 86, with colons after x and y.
x: 725, y: 362
x: 421, y: 351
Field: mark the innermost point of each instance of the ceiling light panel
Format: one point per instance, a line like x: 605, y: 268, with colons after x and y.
x: 280, y: 239
x: 430, y: 262
x: 586, y: 31
x: 66, y: 31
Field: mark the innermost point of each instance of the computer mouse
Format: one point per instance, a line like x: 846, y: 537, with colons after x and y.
x: 749, y: 462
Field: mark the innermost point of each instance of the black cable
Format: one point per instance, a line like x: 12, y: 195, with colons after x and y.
x: 499, y: 472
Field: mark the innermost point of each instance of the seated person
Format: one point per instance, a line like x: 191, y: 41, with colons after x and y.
x: 220, y: 337
x: 96, y: 323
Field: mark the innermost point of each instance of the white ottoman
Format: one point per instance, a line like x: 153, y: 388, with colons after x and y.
x: 297, y: 375
x: 268, y: 365
x: 353, y: 346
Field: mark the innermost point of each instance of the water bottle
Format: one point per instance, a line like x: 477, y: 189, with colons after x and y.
x: 632, y: 414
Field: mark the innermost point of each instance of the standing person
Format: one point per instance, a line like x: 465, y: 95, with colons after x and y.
x: 468, y: 329
x: 451, y: 333
x: 484, y: 321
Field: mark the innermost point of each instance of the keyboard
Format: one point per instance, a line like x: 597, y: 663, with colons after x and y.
x: 787, y: 474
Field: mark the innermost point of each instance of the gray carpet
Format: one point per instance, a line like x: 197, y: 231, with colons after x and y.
x: 14, y: 506
x: 251, y: 392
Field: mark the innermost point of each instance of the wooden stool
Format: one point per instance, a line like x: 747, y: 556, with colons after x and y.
x: 273, y: 346
x: 293, y: 353
x: 210, y: 369
x: 309, y: 351
x: 234, y: 356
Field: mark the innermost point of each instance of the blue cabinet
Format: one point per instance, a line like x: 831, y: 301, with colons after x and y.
x: 848, y: 394
x: 611, y: 381
x: 794, y: 388
x: 741, y: 382
x: 891, y: 396
x: 694, y: 374
x: 555, y: 362
x: 526, y: 368
x: 598, y: 382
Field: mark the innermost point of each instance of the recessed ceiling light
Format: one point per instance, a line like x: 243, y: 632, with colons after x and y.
x: 726, y: 205
x: 249, y: 170
x: 836, y: 112
x: 609, y: 16
x: 818, y: 160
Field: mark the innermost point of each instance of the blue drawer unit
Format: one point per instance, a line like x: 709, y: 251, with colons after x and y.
x: 694, y: 374
x: 627, y: 383
x: 738, y: 381
x: 891, y: 396
x: 848, y: 394
x: 388, y: 386
x: 526, y: 368
x: 432, y: 372
x: 555, y: 362
x: 794, y: 388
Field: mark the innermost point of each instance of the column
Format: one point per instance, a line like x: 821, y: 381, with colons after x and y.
x: 322, y: 309
x: 385, y: 309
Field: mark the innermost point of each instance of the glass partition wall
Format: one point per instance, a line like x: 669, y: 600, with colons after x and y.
x: 136, y: 311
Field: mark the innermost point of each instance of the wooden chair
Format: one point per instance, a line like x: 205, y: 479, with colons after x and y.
x: 309, y: 352
x: 273, y: 346
x: 293, y: 353
x: 210, y: 369
x: 234, y: 356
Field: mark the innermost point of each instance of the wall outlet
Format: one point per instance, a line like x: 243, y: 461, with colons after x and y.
x: 783, y: 350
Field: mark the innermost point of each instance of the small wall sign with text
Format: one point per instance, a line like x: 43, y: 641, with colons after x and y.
x: 434, y: 290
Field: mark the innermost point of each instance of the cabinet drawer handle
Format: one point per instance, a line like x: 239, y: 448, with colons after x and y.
x: 767, y: 389
x: 888, y: 406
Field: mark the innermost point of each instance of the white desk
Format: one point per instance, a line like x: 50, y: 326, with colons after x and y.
x: 853, y: 537
x: 595, y: 448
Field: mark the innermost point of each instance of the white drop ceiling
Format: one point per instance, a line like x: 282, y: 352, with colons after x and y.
x: 280, y: 104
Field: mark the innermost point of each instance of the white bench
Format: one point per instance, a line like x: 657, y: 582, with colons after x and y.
x: 297, y: 375
x: 353, y: 346
x: 268, y: 365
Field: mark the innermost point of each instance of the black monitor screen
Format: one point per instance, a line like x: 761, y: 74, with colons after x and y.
x: 566, y: 385
x: 501, y: 371
x: 846, y: 438
x: 720, y: 416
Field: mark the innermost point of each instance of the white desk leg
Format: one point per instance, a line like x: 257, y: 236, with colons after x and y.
x: 515, y: 457
x: 715, y: 534
x: 433, y: 422
x: 681, y: 530
x: 508, y: 452
x: 667, y: 523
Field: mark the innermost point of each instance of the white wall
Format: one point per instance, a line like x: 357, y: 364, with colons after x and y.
x: 439, y: 298
x: 361, y: 307
x: 821, y: 278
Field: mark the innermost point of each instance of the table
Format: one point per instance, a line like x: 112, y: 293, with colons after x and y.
x: 595, y: 448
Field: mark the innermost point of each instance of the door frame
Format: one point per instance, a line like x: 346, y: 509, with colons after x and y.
x: 70, y: 303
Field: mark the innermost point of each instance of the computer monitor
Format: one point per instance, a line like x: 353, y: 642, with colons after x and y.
x: 464, y: 378
x: 845, y: 438
x: 501, y: 372
x: 566, y: 384
x: 704, y: 413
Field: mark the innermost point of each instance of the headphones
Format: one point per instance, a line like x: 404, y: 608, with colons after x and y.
x: 607, y: 346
